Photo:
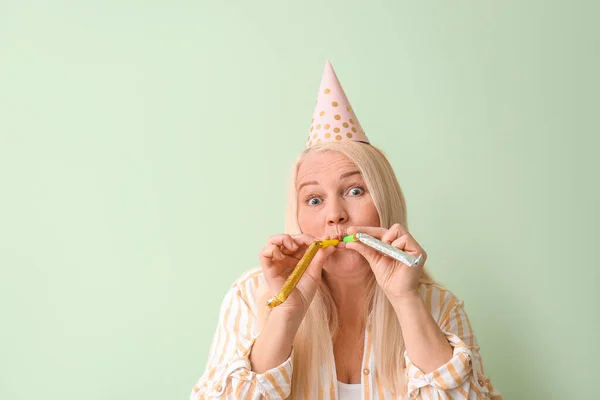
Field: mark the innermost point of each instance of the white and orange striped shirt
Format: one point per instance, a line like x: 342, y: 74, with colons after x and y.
x: 228, y: 374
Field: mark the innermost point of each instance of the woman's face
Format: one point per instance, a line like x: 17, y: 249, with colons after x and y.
x: 332, y: 196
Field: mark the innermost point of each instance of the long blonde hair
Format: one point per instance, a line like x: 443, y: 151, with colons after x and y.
x: 320, y: 325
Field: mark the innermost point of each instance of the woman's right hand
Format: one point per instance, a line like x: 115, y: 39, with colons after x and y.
x: 279, y: 258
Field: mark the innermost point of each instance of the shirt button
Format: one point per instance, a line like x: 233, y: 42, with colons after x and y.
x: 366, y: 371
x: 218, y: 387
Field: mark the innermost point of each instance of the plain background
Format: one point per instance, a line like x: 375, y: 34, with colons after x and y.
x: 146, y: 145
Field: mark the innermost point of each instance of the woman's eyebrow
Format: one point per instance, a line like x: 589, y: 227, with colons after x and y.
x: 307, y: 183
x: 343, y: 176
x: 347, y: 174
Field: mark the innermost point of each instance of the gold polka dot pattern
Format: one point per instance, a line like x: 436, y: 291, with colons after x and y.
x: 334, y: 117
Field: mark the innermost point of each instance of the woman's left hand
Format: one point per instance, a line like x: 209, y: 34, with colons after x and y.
x: 395, y: 278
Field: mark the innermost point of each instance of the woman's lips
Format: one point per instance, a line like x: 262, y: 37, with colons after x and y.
x: 339, y: 237
x: 340, y: 234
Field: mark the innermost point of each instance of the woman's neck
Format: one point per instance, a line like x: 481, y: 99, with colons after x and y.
x: 347, y: 274
x: 350, y: 297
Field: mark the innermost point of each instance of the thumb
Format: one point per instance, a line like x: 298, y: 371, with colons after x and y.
x: 370, y: 254
x: 316, y: 265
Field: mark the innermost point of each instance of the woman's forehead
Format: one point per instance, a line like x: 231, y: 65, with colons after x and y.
x: 324, y: 163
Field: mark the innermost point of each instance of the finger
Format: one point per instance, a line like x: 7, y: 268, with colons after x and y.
x: 303, y: 239
x: 374, y: 231
x: 285, y: 243
x: 272, y: 252
x: 268, y: 250
x: 400, y: 243
x: 322, y: 253
x: 409, y: 245
x: 391, y: 234
x: 370, y: 254
x: 278, y: 254
x: 279, y: 240
x: 289, y: 245
x: 402, y: 230
x: 316, y: 265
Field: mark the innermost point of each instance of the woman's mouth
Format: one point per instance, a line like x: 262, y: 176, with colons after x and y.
x: 341, y: 233
x: 339, y: 236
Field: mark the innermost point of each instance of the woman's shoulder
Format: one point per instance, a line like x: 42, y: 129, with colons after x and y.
x: 249, y: 277
x: 249, y: 284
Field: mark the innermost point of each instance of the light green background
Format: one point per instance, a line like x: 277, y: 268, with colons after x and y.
x: 145, y: 147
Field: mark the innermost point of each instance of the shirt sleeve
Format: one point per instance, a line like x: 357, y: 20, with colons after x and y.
x: 228, y: 373
x: 460, y: 378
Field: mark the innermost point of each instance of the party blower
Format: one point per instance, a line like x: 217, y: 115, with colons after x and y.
x: 312, y: 250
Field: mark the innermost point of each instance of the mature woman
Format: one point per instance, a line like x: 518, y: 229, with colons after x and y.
x: 359, y: 325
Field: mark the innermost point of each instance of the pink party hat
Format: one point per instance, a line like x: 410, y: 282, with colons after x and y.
x: 334, y: 118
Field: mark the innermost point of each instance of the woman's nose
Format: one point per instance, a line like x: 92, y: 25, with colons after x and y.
x: 334, y: 221
x: 337, y: 214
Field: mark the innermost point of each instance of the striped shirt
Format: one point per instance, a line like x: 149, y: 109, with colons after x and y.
x: 228, y: 373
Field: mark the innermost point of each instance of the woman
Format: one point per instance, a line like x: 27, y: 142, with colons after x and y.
x: 358, y: 325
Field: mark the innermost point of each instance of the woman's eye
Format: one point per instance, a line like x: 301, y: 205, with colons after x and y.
x: 357, y: 191
x: 315, y: 201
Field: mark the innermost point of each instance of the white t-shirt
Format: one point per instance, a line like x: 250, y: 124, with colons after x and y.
x: 349, y: 391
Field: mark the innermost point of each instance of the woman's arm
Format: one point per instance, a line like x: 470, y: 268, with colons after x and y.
x: 274, y: 344
x: 229, y: 374
x: 461, y: 375
x: 426, y: 344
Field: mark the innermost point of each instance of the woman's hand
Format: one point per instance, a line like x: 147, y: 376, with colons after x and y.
x: 279, y: 258
x: 395, y: 278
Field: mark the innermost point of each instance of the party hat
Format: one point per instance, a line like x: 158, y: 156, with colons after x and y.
x: 333, y: 119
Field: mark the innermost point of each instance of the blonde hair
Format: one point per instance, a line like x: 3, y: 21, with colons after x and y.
x: 320, y: 325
